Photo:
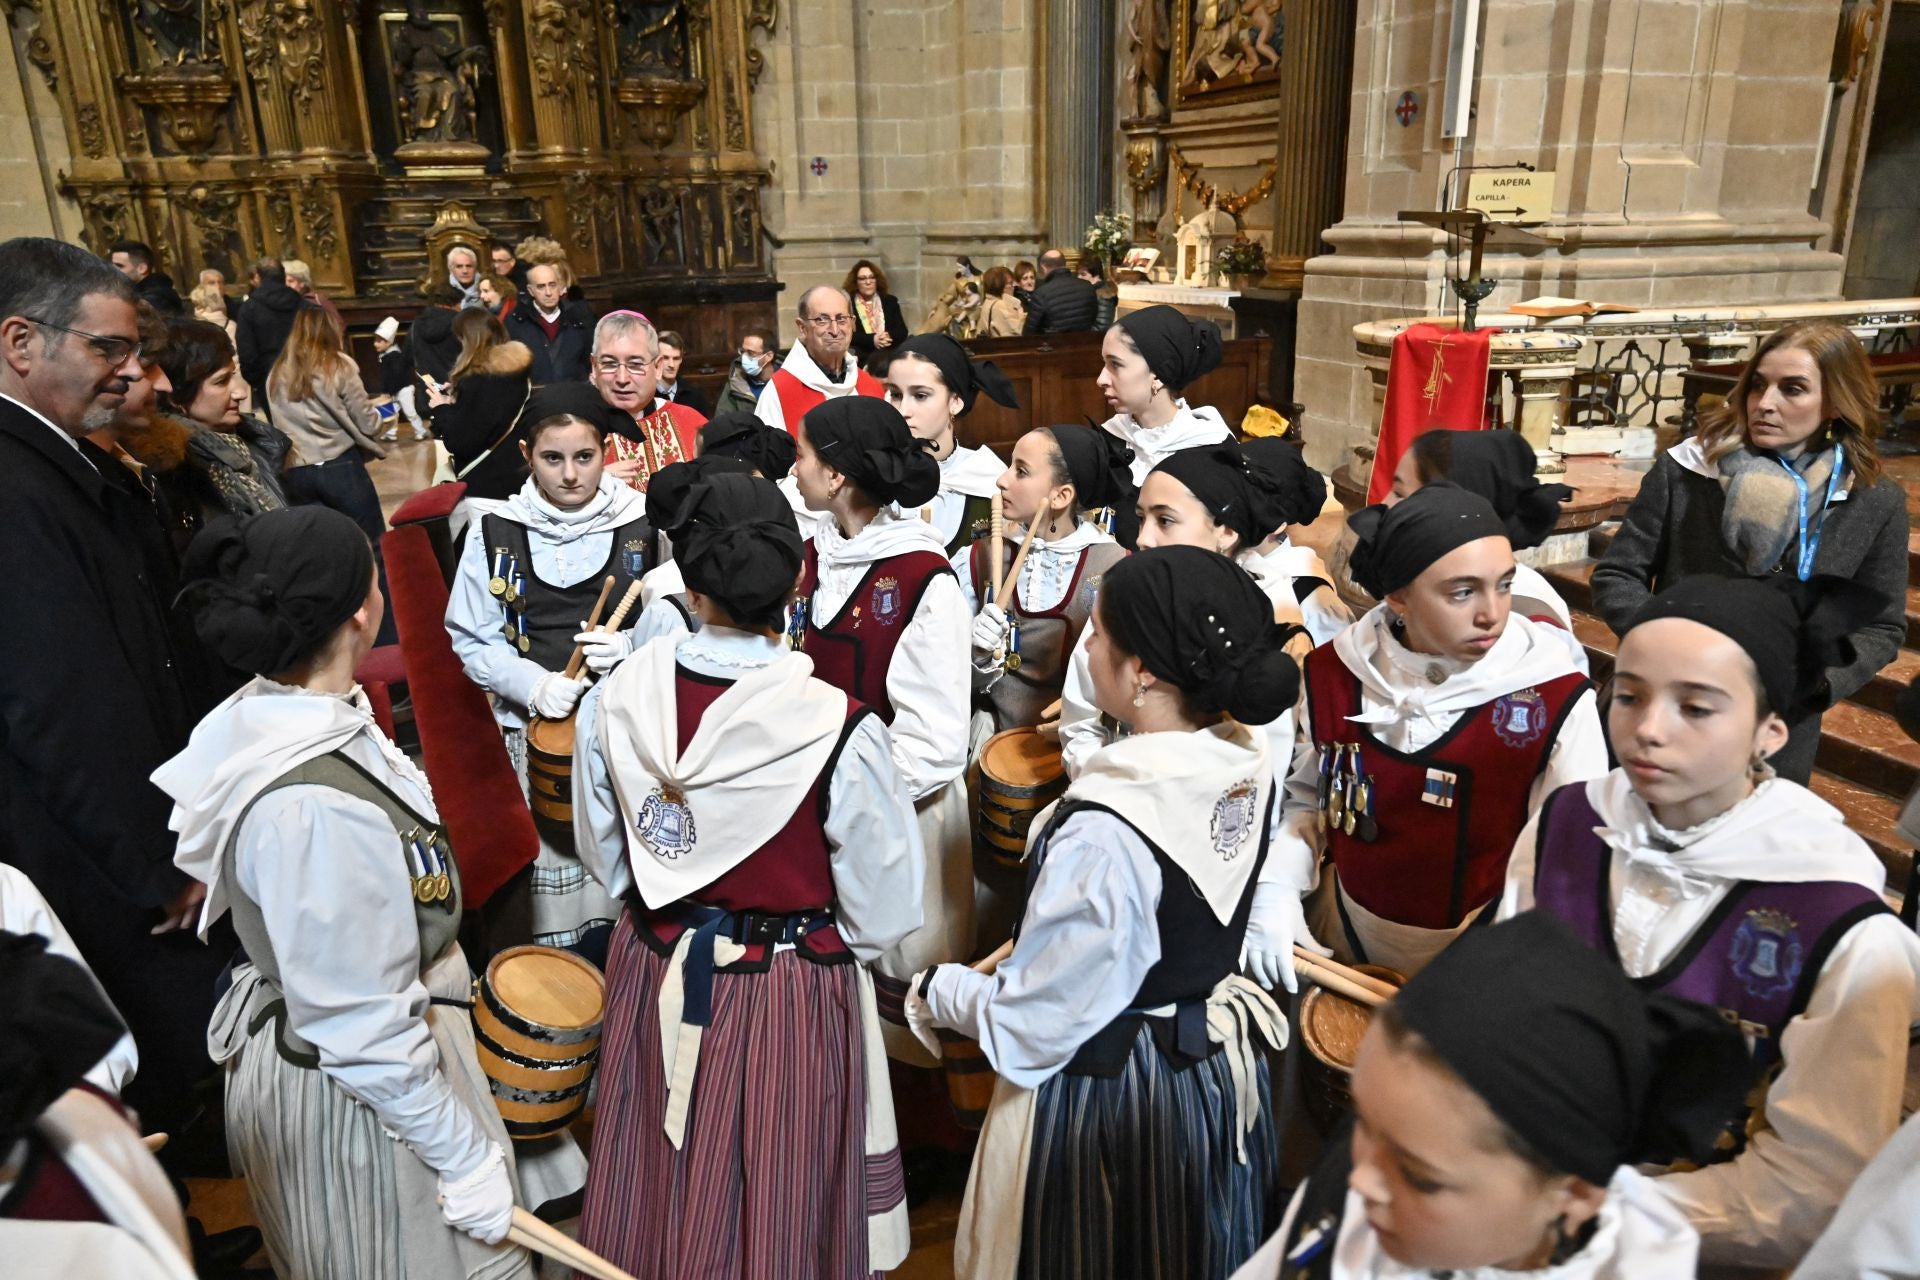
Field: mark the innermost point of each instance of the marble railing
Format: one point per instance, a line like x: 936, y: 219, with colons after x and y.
x: 1588, y: 385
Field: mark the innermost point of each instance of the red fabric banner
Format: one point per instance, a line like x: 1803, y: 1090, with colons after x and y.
x: 1436, y: 378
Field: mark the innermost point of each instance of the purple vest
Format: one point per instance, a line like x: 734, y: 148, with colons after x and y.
x: 1756, y: 958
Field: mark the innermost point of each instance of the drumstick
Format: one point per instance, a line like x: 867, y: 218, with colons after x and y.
x: 992, y: 962
x: 530, y: 1232
x: 1385, y: 990
x: 1020, y: 557
x: 1338, y: 985
x: 154, y: 1141
x: 580, y: 650
x: 997, y: 544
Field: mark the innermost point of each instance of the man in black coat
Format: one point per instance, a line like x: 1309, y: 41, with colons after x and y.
x: 1062, y: 302
x: 91, y: 700
x: 265, y: 320
x: 134, y: 260
x: 558, y: 330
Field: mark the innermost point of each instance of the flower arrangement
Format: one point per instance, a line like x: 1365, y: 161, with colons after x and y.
x: 1243, y: 257
x: 1110, y: 236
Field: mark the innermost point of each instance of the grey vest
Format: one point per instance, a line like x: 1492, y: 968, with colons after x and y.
x: 420, y: 846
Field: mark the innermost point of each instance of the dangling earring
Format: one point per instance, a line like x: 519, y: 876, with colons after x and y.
x: 1053, y: 524
x: 1565, y: 1243
x: 1140, y: 694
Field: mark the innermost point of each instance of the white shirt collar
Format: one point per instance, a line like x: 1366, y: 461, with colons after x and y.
x: 70, y: 442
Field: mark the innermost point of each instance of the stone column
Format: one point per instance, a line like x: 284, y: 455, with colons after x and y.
x: 1316, y: 80
x: 1080, y: 123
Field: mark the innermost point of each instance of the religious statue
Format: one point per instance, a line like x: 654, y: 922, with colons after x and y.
x: 439, y: 80
x: 177, y: 29
x: 1147, y: 44
x: 653, y: 39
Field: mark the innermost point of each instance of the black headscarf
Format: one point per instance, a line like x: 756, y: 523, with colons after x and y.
x: 1199, y: 621
x: 668, y: 489
x: 1250, y: 492
x: 1098, y: 463
x: 1176, y: 347
x: 736, y: 539
x: 741, y: 435
x: 54, y: 1027
x: 1587, y: 1069
x: 1396, y: 545
x: 267, y: 591
x: 580, y: 399
x: 1793, y: 631
x: 1499, y: 466
x: 964, y: 376
x: 867, y: 441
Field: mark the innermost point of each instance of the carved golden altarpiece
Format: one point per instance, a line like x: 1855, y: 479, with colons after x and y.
x: 339, y: 131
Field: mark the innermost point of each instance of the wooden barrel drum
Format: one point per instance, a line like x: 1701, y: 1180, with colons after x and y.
x: 970, y: 1078
x: 536, y: 1025
x: 550, y: 776
x: 1331, y: 1028
x: 1020, y: 774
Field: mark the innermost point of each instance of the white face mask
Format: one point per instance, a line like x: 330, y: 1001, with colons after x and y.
x: 750, y: 365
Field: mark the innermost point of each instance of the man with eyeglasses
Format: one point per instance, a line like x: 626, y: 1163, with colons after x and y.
x: 92, y: 699
x: 649, y: 432
x: 818, y: 368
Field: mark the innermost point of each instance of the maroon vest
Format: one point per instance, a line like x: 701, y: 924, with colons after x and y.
x: 1756, y: 957
x: 789, y: 874
x: 853, y: 650
x: 1432, y: 864
x: 1047, y: 636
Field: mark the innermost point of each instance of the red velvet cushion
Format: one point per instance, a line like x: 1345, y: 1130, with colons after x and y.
x: 473, y: 781
x: 435, y: 503
x: 384, y: 664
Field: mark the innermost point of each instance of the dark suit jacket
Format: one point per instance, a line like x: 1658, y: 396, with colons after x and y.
x: 694, y: 398
x: 91, y: 703
x: 1062, y: 303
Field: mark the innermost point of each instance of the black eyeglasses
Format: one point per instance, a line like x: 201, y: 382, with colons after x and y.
x: 113, y: 350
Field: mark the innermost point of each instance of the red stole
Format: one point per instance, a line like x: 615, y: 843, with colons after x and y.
x: 667, y: 436
x: 796, y: 397
x: 1437, y: 378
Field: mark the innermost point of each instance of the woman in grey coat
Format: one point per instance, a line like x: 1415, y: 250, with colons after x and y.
x: 1785, y: 480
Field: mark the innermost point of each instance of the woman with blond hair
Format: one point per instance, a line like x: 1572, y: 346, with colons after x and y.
x: 320, y: 404
x: 1785, y: 479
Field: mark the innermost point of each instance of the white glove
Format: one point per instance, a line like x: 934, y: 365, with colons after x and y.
x: 920, y: 1014
x: 1277, y: 925
x: 605, y: 649
x: 555, y: 696
x: 990, y: 629
x: 480, y: 1203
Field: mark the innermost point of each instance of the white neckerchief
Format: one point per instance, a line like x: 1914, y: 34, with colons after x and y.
x: 613, y: 504
x: 1189, y: 428
x: 693, y: 816
x: 1050, y: 566
x: 1200, y: 797
x: 974, y: 472
x: 1403, y: 681
x: 247, y: 743
x: 1639, y: 1235
x: 843, y: 561
x: 1781, y: 833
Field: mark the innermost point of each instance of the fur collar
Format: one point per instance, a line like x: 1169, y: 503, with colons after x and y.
x: 161, y: 445
x: 505, y: 360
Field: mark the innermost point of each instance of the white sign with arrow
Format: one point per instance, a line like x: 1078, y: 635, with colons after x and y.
x: 1511, y: 195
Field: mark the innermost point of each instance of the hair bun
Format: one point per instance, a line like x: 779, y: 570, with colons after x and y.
x: 1268, y: 684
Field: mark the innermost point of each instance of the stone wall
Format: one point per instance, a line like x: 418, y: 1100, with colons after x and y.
x: 924, y: 113
x: 1684, y: 136
x: 1883, y: 259
x: 32, y: 145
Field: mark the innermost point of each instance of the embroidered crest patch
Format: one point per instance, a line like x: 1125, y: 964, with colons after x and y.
x: 1520, y: 718
x: 1090, y: 591
x: 666, y: 824
x: 633, y: 557
x: 886, y: 601
x: 1233, y: 818
x: 1767, y: 953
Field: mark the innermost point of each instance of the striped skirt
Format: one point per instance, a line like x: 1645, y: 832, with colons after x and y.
x: 772, y: 1182
x: 1137, y: 1176
x: 336, y: 1198
x: 566, y: 900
